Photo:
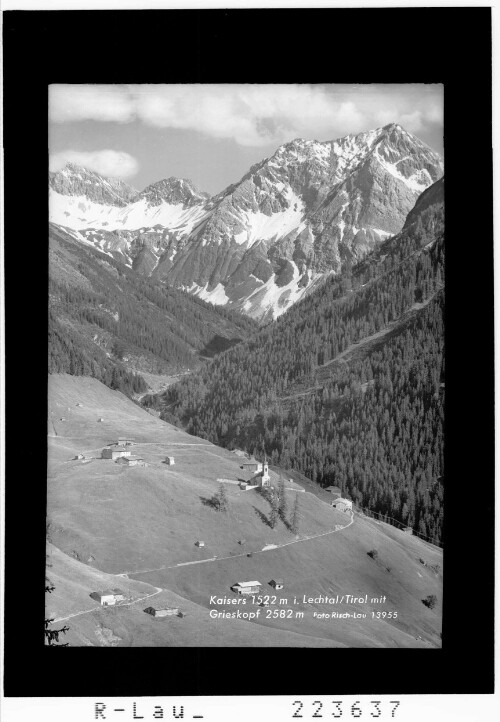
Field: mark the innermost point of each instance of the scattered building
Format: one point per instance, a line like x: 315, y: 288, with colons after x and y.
x: 100, y: 419
x: 276, y: 583
x: 252, y: 465
x: 246, y: 587
x: 114, y: 452
x: 79, y: 404
x: 131, y: 460
x: 199, y: 544
x: 334, y: 490
x: 242, y: 541
x: 408, y: 530
x: 239, y: 452
x: 168, y: 612
x: 342, y: 504
x: 79, y: 456
x: 261, y: 479
x: 108, y: 597
x: 170, y: 461
x: 123, y: 441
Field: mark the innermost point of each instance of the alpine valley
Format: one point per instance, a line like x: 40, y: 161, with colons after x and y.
x: 274, y: 358
x: 263, y: 243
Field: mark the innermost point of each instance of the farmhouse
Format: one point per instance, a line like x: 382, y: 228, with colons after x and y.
x: 114, y: 452
x: 168, y: 612
x: 108, y: 597
x: 246, y: 587
x: 342, y: 504
x: 276, y: 583
x: 252, y: 465
x: 170, y: 461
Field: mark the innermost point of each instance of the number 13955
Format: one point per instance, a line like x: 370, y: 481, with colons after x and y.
x: 340, y: 708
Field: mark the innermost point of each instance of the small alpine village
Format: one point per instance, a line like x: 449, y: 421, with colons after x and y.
x: 256, y: 476
x: 149, y: 525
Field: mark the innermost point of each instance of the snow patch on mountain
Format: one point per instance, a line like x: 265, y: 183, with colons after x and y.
x: 262, y: 227
x: 417, y: 182
x: 271, y: 301
x: 217, y: 295
x: 78, y: 212
x: 264, y: 241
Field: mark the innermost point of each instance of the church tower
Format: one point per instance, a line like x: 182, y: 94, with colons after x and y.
x: 265, y: 473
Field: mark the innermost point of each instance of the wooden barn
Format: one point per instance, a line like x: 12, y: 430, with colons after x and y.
x: 335, y: 490
x: 168, y: 612
x: 131, y: 460
x: 277, y: 583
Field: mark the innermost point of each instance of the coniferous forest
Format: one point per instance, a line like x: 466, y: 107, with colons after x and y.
x: 103, y: 318
x: 369, y: 420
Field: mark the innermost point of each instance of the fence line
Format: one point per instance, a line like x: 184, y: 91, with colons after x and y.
x: 394, y: 522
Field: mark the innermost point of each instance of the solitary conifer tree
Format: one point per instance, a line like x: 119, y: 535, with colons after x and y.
x: 295, y: 520
x: 282, y: 498
x: 221, y: 500
x: 52, y: 635
x: 273, y: 517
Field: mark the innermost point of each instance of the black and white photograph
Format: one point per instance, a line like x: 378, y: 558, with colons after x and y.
x: 249, y: 362
x: 247, y: 369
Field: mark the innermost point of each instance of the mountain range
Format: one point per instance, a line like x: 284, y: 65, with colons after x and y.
x: 306, y: 212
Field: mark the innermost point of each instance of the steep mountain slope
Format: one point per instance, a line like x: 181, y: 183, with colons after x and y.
x: 104, y: 319
x: 135, y: 529
x: 263, y: 243
x: 371, y: 425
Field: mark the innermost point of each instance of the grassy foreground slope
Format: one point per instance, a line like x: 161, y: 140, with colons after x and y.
x: 144, y: 521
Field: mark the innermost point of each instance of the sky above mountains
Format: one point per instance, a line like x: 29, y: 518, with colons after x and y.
x: 212, y: 134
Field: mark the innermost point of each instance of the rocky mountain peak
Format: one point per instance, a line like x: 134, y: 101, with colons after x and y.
x: 174, y: 190
x: 266, y: 240
x: 75, y: 180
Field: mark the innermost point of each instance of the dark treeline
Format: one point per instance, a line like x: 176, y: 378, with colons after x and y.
x: 375, y: 429
x: 69, y: 354
x: 381, y: 443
